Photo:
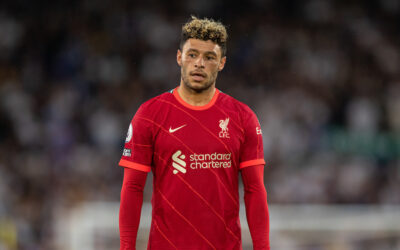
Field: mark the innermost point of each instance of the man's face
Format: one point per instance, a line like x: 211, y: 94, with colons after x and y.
x: 200, y: 62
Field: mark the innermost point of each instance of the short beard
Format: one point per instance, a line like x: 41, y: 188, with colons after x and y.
x: 199, y: 89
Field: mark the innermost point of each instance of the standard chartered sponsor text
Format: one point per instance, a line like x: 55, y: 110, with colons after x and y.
x: 214, y: 160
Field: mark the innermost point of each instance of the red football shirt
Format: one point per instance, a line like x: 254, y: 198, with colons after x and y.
x: 195, y: 154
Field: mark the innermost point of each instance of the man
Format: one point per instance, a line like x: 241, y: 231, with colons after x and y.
x: 195, y: 139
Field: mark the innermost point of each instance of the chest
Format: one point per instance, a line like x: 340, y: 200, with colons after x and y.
x: 199, y: 135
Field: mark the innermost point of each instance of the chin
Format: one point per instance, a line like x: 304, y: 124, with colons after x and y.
x: 198, y: 87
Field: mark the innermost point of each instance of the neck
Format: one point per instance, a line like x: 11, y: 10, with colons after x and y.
x: 196, y: 98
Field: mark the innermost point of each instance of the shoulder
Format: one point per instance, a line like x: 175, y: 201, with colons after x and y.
x: 230, y: 103
x: 154, y: 103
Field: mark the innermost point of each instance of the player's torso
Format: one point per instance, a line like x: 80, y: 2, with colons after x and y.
x: 195, y: 167
x: 196, y: 144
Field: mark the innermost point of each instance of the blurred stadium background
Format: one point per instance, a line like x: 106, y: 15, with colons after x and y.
x: 322, y: 75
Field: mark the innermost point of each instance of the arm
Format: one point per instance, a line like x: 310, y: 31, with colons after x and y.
x: 255, y: 198
x: 130, y: 207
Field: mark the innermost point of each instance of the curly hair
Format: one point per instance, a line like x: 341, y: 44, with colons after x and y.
x: 205, y: 29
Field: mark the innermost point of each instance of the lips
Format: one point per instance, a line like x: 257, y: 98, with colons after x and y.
x: 198, y: 76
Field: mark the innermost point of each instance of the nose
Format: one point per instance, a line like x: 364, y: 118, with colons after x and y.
x: 199, y: 63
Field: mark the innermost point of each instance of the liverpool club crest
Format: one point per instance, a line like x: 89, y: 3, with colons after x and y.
x: 223, y: 124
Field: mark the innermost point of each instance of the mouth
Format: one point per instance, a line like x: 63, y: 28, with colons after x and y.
x: 198, y: 76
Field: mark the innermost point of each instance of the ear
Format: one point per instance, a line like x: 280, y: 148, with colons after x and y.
x: 179, y: 57
x: 222, y: 63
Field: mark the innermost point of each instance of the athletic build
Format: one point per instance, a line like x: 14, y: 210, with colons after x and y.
x: 196, y: 140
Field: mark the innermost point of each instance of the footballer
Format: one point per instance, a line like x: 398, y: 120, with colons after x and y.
x: 196, y: 140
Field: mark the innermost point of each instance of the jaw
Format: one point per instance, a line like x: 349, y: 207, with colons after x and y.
x: 196, y: 86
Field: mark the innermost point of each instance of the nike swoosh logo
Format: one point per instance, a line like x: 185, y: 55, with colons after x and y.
x: 175, y: 129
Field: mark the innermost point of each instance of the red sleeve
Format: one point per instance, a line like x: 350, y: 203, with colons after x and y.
x: 255, y: 198
x: 130, y: 207
x: 138, y: 150
x: 252, y: 152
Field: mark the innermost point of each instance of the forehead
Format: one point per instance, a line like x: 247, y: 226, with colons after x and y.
x: 202, y: 46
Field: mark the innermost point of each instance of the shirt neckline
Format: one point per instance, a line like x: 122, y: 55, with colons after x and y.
x: 189, y: 106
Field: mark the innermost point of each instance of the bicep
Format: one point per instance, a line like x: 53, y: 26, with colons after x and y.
x: 252, y: 151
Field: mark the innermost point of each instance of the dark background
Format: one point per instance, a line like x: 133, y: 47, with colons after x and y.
x: 322, y: 76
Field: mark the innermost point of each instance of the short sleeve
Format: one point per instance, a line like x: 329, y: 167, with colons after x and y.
x: 252, y: 152
x: 138, y: 150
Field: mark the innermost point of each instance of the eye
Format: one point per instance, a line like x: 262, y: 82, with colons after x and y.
x: 191, y: 55
x: 210, y: 57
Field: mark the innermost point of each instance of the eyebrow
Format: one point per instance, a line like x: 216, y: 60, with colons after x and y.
x: 207, y: 52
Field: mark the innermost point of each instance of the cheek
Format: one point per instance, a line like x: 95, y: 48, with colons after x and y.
x: 213, y: 67
x: 186, y: 63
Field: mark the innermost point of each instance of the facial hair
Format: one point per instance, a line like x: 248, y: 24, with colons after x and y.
x: 198, y: 89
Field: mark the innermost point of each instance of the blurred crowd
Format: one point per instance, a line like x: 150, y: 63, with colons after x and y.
x: 322, y: 76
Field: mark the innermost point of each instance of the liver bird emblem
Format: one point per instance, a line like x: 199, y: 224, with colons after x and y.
x: 223, y: 124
